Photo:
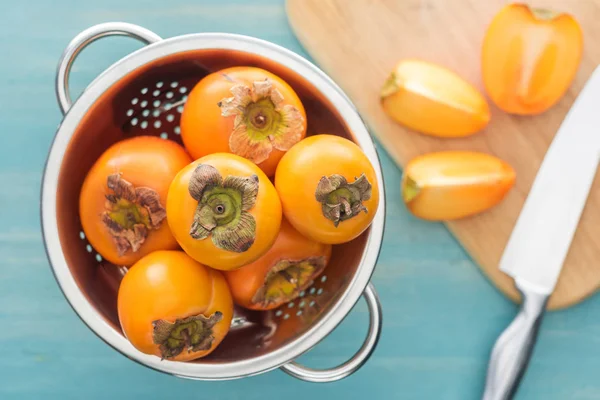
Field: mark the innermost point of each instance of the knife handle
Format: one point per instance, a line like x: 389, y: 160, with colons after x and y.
x: 513, y: 349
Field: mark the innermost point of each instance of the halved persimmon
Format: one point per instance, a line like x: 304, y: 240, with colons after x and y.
x: 530, y: 57
x: 173, y: 307
x: 328, y: 188
x: 122, y: 200
x: 282, y: 273
x: 448, y: 185
x: 224, y: 211
x: 246, y: 111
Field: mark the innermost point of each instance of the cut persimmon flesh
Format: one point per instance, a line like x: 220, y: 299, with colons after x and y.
x: 449, y: 185
x: 530, y: 57
x: 433, y: 100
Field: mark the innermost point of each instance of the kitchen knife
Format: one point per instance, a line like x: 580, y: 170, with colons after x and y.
x: 541, y: 238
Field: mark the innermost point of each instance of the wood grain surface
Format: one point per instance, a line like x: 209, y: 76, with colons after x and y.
x: 358, y: 46
x: 441, y: 316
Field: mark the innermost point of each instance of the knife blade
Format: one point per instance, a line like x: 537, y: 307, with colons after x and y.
x: 539, y: 243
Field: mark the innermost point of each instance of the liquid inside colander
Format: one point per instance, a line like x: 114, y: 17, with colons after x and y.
x: 149, y: 101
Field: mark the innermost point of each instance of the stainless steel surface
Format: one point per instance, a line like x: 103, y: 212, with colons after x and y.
x: 513, y: 348
x: 141, y: 95
x: 543, y: 233
x: 84, y: 39
x: 357, y: 361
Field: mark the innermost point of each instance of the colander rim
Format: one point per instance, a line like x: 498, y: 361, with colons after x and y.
x: 86, y: 311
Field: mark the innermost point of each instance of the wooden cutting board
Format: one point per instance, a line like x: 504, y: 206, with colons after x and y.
x: 358, y: 42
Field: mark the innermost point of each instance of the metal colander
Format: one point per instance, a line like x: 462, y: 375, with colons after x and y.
x: 143, y: 94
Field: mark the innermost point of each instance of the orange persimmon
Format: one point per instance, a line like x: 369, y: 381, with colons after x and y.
x: 174, y: 307
x: 279, y: 276
x: 246, y: 111
x: 121, y: 203
x: 328, y: 188
x: 223, y: 211
x: 449, y: 185
x: 433, y: 100
x: 530, y: 57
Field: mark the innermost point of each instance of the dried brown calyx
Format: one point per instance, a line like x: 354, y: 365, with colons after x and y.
x: 131, y: 213
x: 287, y: 278
x: 341, y: 200
x: 191, y: 334
x: 262, y: 121
x: 223, y: 205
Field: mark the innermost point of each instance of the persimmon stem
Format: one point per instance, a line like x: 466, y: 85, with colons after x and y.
x: 263, y: 121
x: 287, y: 278
x: 341, y: 200
x: 131, y: 213
x: 192, y: 334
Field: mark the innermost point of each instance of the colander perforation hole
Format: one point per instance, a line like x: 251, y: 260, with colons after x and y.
x: 278, y: 313
x: 170, y: 118
x: 174, y: 84
x: 144, y: 124
x: 169, y: 95
x: 146, y: 113
x: 311, y: 304
x: 156, y: 103
x: 156, y: 93
x: 144, y: 103
x: 299, y: 313
x: 312, y: 290
x: 320, y: 291
x: 164, y: 135
x: 144, y: 90
x: 301, y: 305
x: 157, y: 124
x: 98, y: 258
x: 88, y: 248
x: 82, y: 235
x: 155, y: 113
x: 323, y: 278
x: 290, y: 304
x: 134, y: 121
x: 159, y: 84
x: 286, y: 316
x: 177, y: 130
x: 180, y: 109
x: 130, y: 112
x: 301, y: 294
x: 134, y: 101
x: 182, y: 89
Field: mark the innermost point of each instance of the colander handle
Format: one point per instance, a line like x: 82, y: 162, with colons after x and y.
x: 85, y: 38
x: 362, y: 355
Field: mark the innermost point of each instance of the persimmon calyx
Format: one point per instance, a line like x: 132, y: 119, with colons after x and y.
x: 131, y: 213
x: 341, y: 200
x: 411, y: 189
x: 390, y: 86
x: 223, y: 205
x: 544, y: 14
x: 287, y: 278
x: 191, y: 334
x: 262, y: 121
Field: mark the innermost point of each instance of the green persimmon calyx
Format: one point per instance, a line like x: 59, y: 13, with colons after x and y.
x: 341, y: 200
x: 192, y: 334
x: 287, y: 278
x: 411, y: 189
x: 262, y: 121
x: 131, y: 213
x: 223, y: 205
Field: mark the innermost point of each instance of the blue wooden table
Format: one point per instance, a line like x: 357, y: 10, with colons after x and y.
x: 441, y: 315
